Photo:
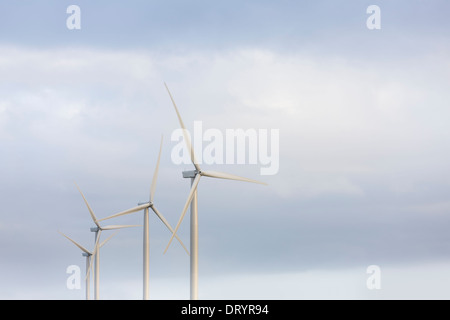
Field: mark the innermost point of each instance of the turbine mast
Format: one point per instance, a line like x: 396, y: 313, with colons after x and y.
x: 194, y: 239
x: 146, y: 255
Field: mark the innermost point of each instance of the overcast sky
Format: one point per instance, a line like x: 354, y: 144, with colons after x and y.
x: 363, y: 119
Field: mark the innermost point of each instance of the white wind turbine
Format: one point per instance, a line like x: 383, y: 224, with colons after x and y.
x: 195, y: 176
x: 145, y: 206
x: 98, y: 229
x: 86, y: 253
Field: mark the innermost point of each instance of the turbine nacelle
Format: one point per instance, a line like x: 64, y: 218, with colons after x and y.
x: 148, y: 203
x: 191, y: 173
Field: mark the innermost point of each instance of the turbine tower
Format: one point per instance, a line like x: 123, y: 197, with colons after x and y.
x: 146, y: 245
x: 195, y: 176
x: 98, y: 229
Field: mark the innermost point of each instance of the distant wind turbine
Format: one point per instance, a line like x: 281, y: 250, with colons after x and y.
x: 98, y: 229
x: 145, y: 206
x: 195, y: 176
x: 86, y: 253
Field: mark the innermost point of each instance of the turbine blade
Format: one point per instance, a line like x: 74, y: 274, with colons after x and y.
x: 191, y: 194
x: 160, y: 216
x: 93, y: 253
x: 88, y: 206
x: 87, y: 270
x: 113, y: 227
x: 135, y: 209
x: 222, y: 175
x: 186, y: 137
x: 77, y: 244
x: 155, y: 175
x: 109, y: 238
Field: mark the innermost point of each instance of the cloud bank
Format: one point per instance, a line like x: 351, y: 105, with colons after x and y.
x: 363, y: 153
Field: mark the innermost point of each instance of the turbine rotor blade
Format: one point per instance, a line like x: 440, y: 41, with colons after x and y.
x: 191, y: 195
x: 186, y: 137
x: 113, y: 227
x: 161, y: 217
x: 88, y: 206
x: 93, y: 253
x: 155, y: 175
x: 135, y: 209
x: 77, y: 244
x: 223, y: 175
x: 88, y: 271
x: 106, y: 240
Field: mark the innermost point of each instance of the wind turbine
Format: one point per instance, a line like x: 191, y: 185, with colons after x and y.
x: 86, y: 253
x: 195, y: 176
x: 98, y: 229
x: 145, y: 206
